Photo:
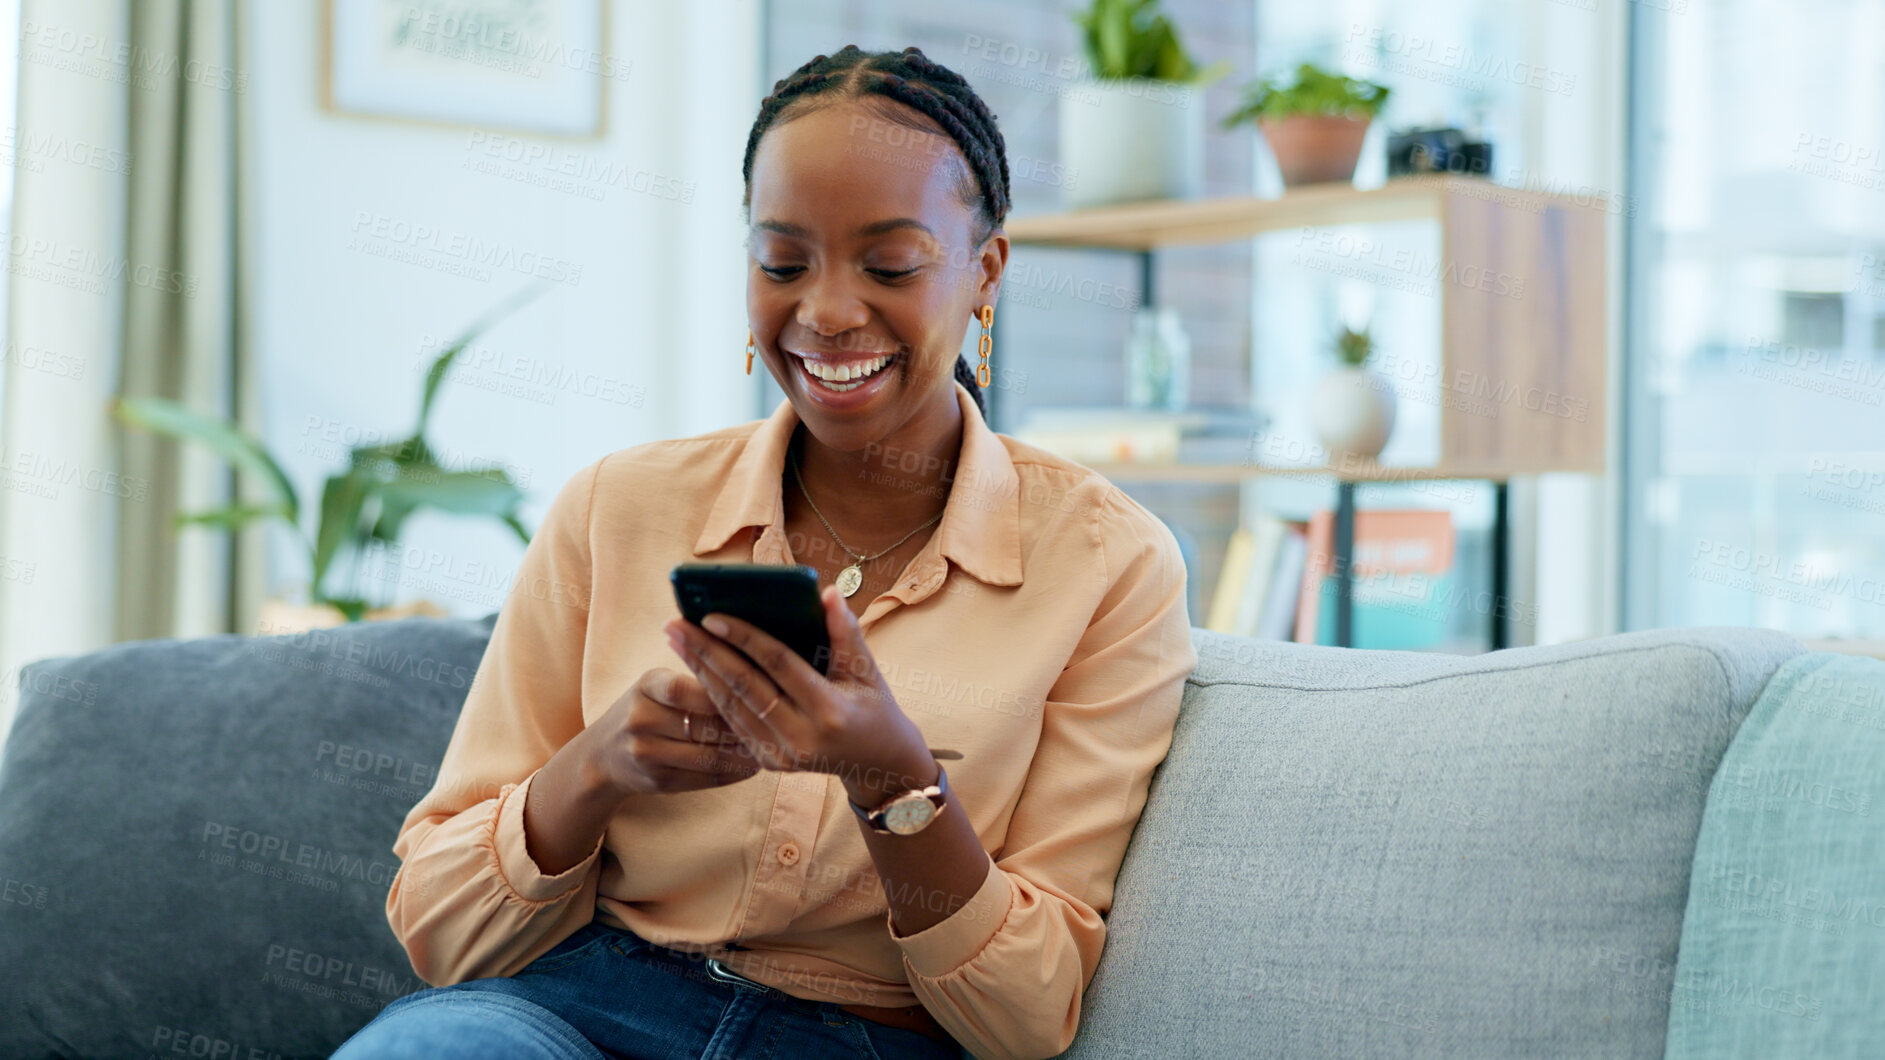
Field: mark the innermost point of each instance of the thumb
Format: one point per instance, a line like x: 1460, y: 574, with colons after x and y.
x: 848, y: 654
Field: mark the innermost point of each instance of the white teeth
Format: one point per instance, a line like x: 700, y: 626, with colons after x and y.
x: 846, y: 372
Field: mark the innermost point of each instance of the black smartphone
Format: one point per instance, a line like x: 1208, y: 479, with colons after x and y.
x: 783, y: 601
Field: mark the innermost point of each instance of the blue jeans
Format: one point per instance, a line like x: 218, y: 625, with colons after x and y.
x: 605, y: 993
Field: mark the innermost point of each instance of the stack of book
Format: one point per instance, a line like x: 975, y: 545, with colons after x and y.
x: 1258, y: 586
x: 1278, y: 581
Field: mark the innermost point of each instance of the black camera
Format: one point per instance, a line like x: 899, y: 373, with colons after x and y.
x: 1447, y: 150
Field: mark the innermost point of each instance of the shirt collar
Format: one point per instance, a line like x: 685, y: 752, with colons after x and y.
x: 981, y: 523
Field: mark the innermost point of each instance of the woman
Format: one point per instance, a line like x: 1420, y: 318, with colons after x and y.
x: 620, y: 857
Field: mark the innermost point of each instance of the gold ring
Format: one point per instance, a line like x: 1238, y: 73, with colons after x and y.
x: 687, y: 726
x: 769, y: 706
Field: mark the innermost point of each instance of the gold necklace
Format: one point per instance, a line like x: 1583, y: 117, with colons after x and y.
x: 850, y: 577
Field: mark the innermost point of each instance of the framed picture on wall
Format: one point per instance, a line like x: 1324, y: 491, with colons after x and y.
x: 536, y: 66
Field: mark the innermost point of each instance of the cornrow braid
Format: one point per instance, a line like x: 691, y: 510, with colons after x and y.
x: 935, y: 92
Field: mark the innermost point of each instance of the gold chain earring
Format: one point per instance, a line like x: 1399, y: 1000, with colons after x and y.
x: 749, y: 353
x: 981, y: 370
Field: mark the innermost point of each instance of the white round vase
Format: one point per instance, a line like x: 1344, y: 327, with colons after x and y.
x: 1352, y: 410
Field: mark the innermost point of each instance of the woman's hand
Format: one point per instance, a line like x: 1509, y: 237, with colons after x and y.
x: 792, y: 718
x: 665, y: 735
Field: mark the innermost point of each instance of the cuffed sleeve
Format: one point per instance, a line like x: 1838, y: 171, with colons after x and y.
x: 468, y: 901
x: 1005, y: 973
x: 515, y: 866
x: 952, y: 942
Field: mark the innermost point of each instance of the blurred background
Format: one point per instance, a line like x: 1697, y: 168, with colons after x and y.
x: 312, y: 306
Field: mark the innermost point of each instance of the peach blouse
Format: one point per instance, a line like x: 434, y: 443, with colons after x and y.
x: 1041, y: 631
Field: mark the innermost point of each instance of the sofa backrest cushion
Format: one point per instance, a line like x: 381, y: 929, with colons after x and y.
x: 196, y: 837
x: 1353, y: 853
x: 1783, y: 945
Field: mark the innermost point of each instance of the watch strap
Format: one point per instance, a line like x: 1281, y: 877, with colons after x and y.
x: 937, y: 793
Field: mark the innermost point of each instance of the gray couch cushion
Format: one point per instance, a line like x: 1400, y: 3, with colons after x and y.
x: 204, y: 832
x: 1388, y: 854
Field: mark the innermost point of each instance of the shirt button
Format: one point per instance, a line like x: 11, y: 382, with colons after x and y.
x: 789, y: 853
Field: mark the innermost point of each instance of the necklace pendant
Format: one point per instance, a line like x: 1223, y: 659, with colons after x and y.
x: 849, y: 579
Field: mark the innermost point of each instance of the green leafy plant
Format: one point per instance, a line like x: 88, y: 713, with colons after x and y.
x: 1130, y: 38
x: 1312, y: 91
x: 1354, y: 347
x: 370, y: 501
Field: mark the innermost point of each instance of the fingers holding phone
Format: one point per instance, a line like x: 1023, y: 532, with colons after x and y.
x: 664, y: 735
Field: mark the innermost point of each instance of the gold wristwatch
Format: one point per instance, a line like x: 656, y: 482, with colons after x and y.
x: 908, y: 812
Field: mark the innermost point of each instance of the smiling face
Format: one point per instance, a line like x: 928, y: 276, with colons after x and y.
x: 862, y: 270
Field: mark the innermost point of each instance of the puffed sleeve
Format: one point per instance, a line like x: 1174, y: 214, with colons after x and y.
x: 1005, y: 973
x: 468, y: 902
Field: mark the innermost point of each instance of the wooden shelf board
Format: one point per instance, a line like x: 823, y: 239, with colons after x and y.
x: 1165, y: 223
x: 1231, y: 473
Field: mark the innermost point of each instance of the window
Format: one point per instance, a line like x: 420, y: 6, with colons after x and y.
x: 1755, y: 438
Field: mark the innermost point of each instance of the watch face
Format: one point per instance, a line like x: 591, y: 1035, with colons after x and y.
x: 909, y: 815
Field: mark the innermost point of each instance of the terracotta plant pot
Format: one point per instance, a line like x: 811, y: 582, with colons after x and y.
x: 1315, y: 148
x: 280, y: 616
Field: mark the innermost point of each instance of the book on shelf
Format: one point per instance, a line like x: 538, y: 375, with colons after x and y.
x: 1257, y: 585
x: 1403, y: 578
x: 1278, y: 621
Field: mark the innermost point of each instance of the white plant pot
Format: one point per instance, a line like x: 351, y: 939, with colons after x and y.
x: 1352, y: 410
x: 1128, y: 141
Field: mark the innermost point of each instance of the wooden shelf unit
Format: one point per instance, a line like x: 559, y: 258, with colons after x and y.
x: 1537, y: 349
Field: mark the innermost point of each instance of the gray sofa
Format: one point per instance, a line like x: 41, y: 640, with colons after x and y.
x: 1346, y: 854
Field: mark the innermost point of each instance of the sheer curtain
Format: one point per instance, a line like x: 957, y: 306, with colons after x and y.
x: 122, y: 272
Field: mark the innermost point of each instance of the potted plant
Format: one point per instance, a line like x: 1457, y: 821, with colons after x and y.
x: 1314, y: 124
x: 1352, y: 408
x: 364, y: 506
x: 1135, y: 129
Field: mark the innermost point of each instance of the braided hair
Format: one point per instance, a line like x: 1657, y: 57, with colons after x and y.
x: 936, y: 93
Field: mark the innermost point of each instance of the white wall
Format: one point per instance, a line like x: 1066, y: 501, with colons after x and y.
x: 656, y: 314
